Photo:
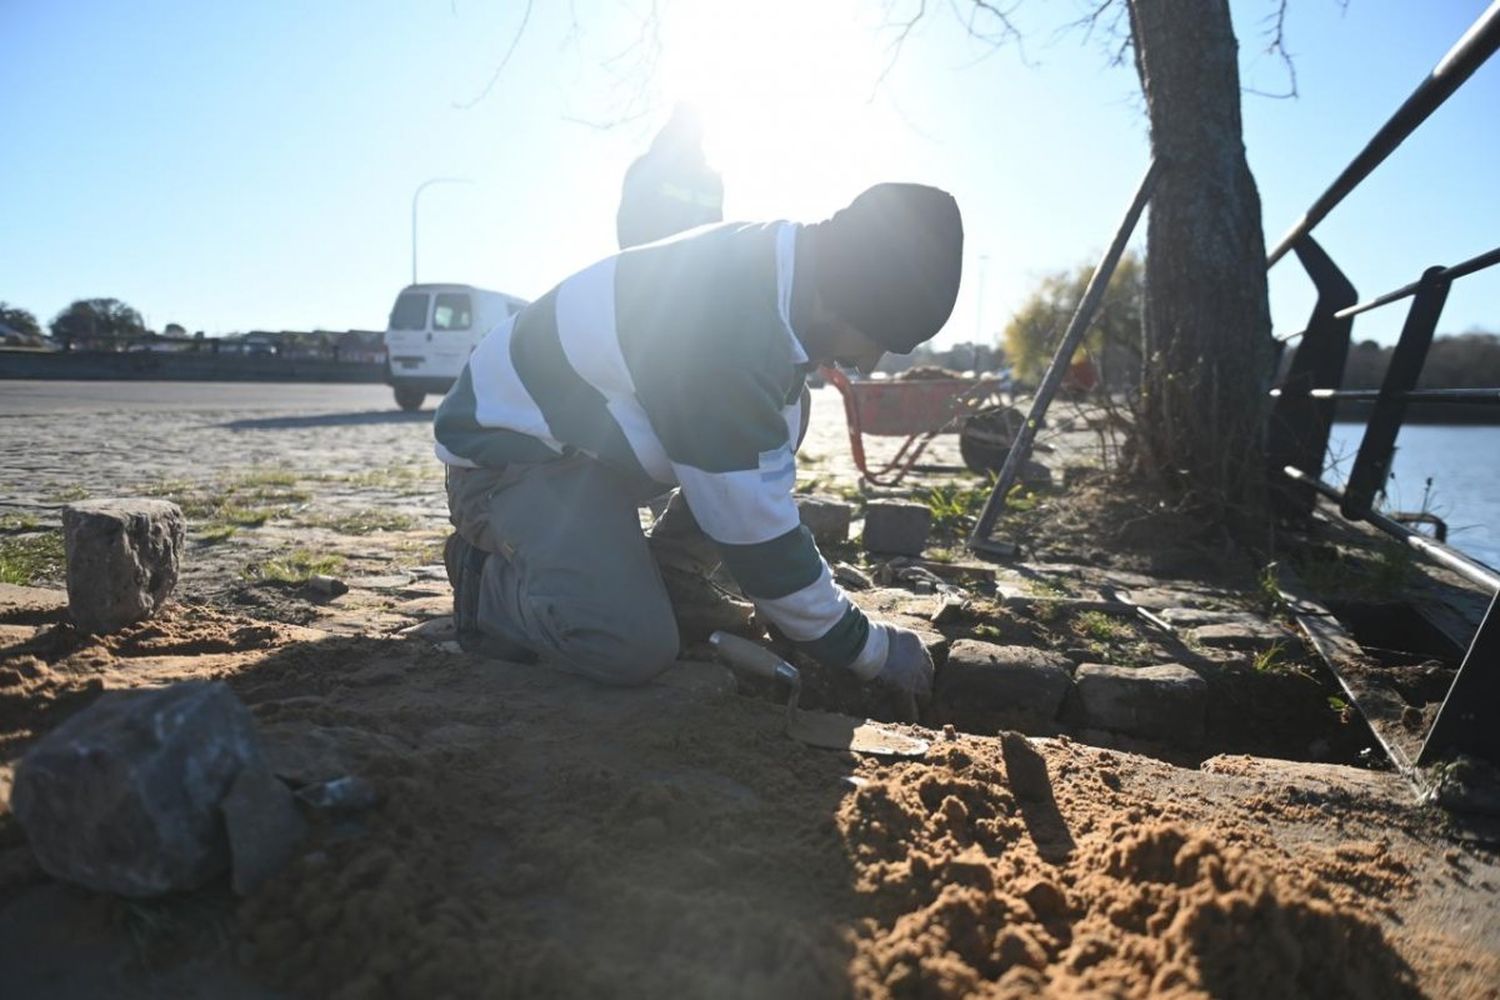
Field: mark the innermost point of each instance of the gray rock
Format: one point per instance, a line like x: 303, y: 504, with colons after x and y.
x: 263, y: 825
x: 896, y: 526
x: 122, y: 560
x: 1017, y: 683
x: 1034, y: 474
x: 128, y: 795
x: 1165, y: 703
x: 852, y: 576
x: 1251, y: 635
x: 828, y: 519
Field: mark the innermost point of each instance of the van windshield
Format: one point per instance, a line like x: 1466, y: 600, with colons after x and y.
x: 452, y: 312
x: 410, y: 312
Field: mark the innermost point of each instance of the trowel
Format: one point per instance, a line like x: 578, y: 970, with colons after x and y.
x: 817, y: 729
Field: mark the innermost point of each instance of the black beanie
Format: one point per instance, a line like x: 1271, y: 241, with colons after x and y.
x: 889, y: 263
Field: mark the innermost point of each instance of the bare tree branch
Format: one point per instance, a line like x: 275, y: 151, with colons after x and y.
x: 632, y: 69
x: 893, y: 50
x: 494, y: 77
x: 1275, y: 35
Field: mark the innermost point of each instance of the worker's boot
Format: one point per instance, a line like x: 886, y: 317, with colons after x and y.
x: 465, y: 564
x: 688, y: 561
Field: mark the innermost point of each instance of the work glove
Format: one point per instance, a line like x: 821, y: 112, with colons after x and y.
x: 907, y: 670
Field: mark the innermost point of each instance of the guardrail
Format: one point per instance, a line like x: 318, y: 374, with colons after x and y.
x: 1303, y: 410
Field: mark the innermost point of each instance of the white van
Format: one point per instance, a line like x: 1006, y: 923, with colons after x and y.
x: 431, y: 332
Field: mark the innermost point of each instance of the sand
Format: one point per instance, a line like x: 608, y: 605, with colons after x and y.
x: 537, y: 835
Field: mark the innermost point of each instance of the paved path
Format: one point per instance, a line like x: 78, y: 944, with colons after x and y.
x: 337, y: 470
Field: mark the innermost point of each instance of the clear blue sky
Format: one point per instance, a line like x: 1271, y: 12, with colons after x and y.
x: 251, y: 165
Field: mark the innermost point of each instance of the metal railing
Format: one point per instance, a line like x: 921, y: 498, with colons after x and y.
x: 1303, y: 409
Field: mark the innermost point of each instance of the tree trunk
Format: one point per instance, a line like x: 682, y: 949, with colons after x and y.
x: 1207, y: 320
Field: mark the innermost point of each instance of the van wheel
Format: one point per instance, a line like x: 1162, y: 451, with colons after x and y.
x: 409, y: 398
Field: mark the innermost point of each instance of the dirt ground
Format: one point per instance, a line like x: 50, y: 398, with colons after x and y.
x: 539, y: 836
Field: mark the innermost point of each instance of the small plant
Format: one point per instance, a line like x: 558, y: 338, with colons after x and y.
x: 1268, y: 588
x: 986, y: 631
x: 955, y: 506
x: 1270, y: 660
x: 297, y: 566
x: 1020, y: 499
x: 1102, y: 627
x: 1047, y: 589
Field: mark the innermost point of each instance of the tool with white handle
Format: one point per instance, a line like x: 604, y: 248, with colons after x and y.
x: 819, y: 729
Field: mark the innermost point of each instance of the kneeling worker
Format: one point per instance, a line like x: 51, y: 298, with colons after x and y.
x: 681, y: 363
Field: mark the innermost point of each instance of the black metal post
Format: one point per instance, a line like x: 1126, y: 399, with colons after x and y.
x: 1373, y: 463
x: 1466, y: 721
x: 1300, y: 421
x: 1020, y: 449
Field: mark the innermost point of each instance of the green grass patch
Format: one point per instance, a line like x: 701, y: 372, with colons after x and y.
x: 13, y: 524
x: 956, y: 506
x: 67, y: 494
x: 1101, y: 626
x: 363, y: 522
x: 26, y: 560
x: 294, y: 567
x: 1382, y: 571
x: 419, y: 552
x: 397, y: 477
x: 267, y: 478
x: 213, y: 534
x: 1048, y: 589
x: 1021, y: 500
x: 166, y: 488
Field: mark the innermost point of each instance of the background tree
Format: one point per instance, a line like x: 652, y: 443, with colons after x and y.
x: 19, y: 320
x: 1113, y: 342
x: 96, y: 319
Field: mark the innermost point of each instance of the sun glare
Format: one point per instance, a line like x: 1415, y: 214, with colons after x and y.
x: 784, y: 89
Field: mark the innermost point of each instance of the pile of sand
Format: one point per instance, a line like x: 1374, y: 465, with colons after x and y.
x: 541, y: 836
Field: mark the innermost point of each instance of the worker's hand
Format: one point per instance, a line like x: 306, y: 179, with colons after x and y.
x: 907, y: 670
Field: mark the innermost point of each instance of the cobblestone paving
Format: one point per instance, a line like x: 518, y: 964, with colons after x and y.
x: 274, y: 493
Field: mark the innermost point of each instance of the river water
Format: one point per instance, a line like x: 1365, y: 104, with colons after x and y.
x: 1463, y: 466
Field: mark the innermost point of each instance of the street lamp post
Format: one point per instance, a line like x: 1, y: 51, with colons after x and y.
x: 414, y: 196
x: 984, y: 259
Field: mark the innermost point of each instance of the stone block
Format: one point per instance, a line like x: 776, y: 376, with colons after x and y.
x: 828, y: 519
x: 1018, y: 684
x: 897, y: 527
x: 1165, y: 703
x: 1195, y: 617
x: 123, y: 558
x: 1249, y: 635
x: 155, y: 791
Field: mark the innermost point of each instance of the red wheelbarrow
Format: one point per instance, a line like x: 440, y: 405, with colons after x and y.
x: 917, y: 409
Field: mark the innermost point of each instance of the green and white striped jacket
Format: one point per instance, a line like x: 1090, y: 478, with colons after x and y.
x: 674, y: 360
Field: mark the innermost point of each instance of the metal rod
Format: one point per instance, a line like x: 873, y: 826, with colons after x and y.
x: 1467, y: 55
x: 1020, y: 450
x: 1447, y: 557
x: 1468, y: 267
x: 1463, y: 396
x: 418, y: 193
